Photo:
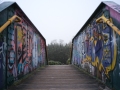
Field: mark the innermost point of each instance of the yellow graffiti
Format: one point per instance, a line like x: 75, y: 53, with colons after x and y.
x: 111, y: 67
x: 93, y: 40
x: 103, y: 20
x: 105, y: 37
x: 19, y: 34
x: 87, y: 59
x: 106, y: 52
x: 100, y: 67
x: 96, y: 61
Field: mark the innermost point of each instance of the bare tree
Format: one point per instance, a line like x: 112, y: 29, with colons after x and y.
x: 54, y: 41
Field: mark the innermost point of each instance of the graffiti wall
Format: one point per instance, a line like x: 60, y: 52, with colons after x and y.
x: 96, y: 48
x: 22, y: 47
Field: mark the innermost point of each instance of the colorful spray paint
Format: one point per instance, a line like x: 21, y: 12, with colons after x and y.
x: 22, y: 46
x: 96, y: 46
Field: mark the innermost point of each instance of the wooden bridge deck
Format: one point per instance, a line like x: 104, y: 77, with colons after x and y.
x: 58, y: 77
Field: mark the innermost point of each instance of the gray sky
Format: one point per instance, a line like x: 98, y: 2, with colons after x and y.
x: 58, y: 19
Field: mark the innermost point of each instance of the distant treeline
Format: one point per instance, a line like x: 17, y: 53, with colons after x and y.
x: 58, y: 53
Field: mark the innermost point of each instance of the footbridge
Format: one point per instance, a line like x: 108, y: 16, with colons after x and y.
x: 95, y: 53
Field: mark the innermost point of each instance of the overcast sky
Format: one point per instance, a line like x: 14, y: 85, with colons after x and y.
x: 58, y: 19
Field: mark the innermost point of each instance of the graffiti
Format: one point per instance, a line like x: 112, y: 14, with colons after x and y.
x: 42, y: 51
x: 109, y: 47
x: 39, y: 48
x: 96, y: 47
x: 2, y: 62
x: 35, y: 52
x: 30, y: 42
x: 25, y: 60
x: 29, y: 48
x: 12, y: 70
x: 114, y: 6
x: 19, y: 36
x: 22, y: 48
x: 19, y: 48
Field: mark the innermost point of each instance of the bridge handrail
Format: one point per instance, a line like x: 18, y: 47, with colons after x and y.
x: 15, y: 17
x: 107, y: 21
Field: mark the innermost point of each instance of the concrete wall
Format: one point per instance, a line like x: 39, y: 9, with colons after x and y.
x: 96, y: 48
x: 22, y: 47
